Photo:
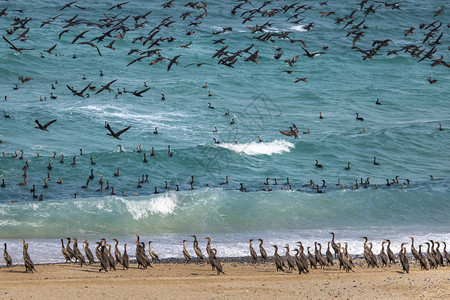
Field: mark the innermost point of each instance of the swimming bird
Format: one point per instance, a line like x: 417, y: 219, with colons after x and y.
x: 24, y: 183
x: 115, y: 134
x: 318, y: 165
x: 432, y: 80
x: 348, y: 166
x: 44, y: 127
x: 375, y: 161
x: 226, y: 180
x: 358, y: 117
x: 440, y: 127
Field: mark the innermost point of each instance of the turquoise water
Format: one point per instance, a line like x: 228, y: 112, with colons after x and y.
x: 402, y: 133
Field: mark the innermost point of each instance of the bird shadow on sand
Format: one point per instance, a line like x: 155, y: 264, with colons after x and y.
x: 17, y: 271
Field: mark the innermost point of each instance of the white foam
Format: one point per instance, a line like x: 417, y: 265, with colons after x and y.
x: 164, y: 204
x: 298, y: 28
x: 256, y: 148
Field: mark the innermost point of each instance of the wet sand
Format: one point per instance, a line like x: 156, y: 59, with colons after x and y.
x: 242, y: 280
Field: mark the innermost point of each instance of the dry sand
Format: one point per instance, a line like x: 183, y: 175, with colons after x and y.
x: 241, y: 281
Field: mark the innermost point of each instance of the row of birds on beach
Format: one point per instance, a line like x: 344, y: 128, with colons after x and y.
x: 300, y: 261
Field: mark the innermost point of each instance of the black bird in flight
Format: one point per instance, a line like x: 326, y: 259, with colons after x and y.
x: 14, y: 47
x: 115, y: 134
x: 43, y: 128
x: 106, y: 87
x: 139, y: 94
x: 311, y: 55
x: 173, y: 61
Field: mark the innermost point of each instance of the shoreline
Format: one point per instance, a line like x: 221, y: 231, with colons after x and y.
x: 241, y: 280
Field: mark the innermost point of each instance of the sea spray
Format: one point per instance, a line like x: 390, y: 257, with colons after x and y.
x: 260, y: 148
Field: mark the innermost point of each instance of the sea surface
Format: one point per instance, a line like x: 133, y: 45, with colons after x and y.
x: 403, y: 133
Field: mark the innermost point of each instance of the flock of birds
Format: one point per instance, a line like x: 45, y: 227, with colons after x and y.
x: 267, y: 185
x: 115, y: 27
x: 300, y: 261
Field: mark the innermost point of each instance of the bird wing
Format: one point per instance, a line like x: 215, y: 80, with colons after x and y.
x: 86, y: 88
x: 14, y: 47
x: 143, y: 91
x: 109, y: 128
x: 306, y: 51
x: 287, y: 133
x: 51, y: 48
x: 98, y: 50
x: 49, y: 123
x: 170, y: 65
x: 71, y: 89
x: 123, y: 130
x: 39, y: 124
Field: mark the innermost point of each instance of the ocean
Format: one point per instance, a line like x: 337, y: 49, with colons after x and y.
x: 402, y: 133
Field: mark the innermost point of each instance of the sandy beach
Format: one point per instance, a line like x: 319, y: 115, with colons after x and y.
x: 242, y: 280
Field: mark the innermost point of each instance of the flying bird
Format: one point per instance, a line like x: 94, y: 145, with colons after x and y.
x: 43, y: 128
x: 106, y: 87
x: 173, y: 61
x: 14, y: 47
x: 115, y: 134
